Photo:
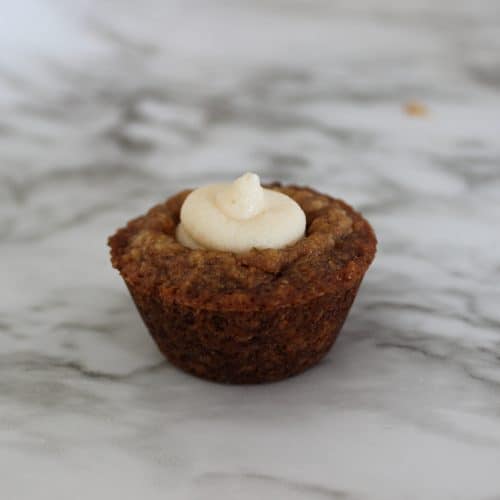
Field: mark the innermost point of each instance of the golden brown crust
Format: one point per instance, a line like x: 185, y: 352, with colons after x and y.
x: 332, y: 259
x: 245, y: 347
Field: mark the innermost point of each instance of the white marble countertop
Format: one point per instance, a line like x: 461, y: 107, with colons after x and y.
x: 109, y: 107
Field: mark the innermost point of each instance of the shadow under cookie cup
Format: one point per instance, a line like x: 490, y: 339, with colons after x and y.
x: 255, y: 317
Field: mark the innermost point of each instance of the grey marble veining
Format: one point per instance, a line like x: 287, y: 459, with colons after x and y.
x: 109, y: 107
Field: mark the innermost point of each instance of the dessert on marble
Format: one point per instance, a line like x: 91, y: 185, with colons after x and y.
x: 241, y: 283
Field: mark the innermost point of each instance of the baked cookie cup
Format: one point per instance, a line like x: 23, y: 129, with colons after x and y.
x: 251, y: 317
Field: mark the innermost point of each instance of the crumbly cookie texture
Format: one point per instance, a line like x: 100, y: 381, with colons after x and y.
x: 337, y: 249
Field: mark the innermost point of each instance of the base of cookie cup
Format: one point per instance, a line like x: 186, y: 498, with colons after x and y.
x: 246, y: 347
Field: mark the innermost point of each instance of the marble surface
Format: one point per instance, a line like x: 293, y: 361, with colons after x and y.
x: 109, y: 107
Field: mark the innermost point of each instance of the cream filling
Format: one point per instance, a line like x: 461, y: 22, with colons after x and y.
x: 239, y: 216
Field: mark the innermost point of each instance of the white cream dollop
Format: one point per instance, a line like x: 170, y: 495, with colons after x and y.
x: 239, y: 216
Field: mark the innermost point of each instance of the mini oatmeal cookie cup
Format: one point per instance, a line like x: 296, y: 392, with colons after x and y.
x: 259, y: 316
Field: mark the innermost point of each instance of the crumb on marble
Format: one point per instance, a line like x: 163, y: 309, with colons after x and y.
x: 416, y: 109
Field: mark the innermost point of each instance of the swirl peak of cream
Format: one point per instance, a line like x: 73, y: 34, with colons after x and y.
x: 239, y: 216
x: 243, y: 199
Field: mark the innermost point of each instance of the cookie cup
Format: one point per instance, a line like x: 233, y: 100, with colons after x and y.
x: 259, y: 316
